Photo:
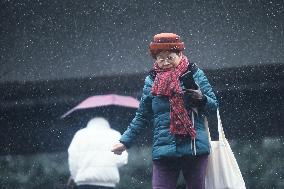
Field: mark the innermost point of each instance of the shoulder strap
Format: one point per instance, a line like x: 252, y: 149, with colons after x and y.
x: 193, y: 67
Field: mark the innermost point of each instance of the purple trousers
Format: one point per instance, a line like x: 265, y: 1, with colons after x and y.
x: 166, y: 172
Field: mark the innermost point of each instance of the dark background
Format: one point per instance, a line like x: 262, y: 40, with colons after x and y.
x: 54, y: 40
x: 54, y: 54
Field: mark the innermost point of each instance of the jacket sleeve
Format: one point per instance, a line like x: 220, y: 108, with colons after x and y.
x: 122, y: 159
x: 73, y: 155
x: 210, y: 100
x: 143, y: 115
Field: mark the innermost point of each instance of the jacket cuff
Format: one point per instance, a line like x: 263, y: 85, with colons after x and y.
x: 124, y: 143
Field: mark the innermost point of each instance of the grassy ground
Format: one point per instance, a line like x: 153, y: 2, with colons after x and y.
x: 261, y: 163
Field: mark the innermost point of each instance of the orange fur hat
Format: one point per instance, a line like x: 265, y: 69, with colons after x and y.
x: 165, y: 41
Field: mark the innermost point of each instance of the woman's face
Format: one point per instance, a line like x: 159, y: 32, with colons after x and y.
x: 168, y: 59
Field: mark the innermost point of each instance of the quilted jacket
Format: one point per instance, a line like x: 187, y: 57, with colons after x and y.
x: 155, y: 110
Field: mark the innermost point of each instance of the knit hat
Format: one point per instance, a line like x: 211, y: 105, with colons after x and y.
x: 165, y: 41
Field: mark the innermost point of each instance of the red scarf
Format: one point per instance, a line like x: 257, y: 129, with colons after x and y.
x: 166, y: 83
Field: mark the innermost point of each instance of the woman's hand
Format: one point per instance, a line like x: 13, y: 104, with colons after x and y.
x: 195, y: 98
x: 194, y: 94
x: 118, y: 148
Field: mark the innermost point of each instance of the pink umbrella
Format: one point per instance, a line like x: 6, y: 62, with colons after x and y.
x: 105, y: 100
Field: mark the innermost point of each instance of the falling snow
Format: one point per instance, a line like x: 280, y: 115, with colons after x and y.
x: 53, y: 54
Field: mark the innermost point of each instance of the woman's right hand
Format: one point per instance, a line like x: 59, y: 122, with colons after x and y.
x: 118, y: 148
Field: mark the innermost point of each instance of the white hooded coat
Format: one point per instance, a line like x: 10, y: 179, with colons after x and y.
x: 90, y: 159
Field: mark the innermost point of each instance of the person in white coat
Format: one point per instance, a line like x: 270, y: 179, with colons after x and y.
x: 92, y: 164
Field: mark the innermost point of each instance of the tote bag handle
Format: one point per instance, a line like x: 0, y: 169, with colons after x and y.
x: 221, y: 134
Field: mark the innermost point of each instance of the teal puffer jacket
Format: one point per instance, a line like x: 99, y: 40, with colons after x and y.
x: 155, y: 110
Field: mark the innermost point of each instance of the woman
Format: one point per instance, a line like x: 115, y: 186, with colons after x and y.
x: 176, y: 97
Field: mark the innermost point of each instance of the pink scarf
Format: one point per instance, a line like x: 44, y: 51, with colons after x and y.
x: 166, y: 83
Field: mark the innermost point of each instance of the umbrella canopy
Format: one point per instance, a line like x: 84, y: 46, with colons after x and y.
x: 105, y: 100
x: 118, y: 110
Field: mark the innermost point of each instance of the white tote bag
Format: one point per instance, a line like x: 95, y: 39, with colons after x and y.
x: 222, y: 171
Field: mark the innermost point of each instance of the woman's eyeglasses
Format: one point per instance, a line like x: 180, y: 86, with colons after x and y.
x: 168, y: 59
